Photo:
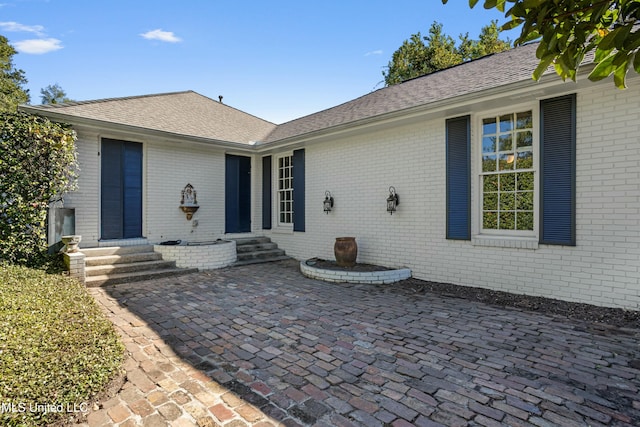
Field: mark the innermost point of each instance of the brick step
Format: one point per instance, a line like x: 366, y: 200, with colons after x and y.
x: 105, y: 269
x: 114, y: 279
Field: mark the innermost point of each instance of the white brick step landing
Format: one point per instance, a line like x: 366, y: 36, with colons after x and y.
x: 115, y: 265
x: 254, y: 250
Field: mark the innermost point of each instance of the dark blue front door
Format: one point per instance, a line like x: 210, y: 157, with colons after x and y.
x: 237, y: 194
x: 121, y: 189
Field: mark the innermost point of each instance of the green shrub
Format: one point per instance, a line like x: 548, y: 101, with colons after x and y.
x: 37, y: 166
x: 56, y: 347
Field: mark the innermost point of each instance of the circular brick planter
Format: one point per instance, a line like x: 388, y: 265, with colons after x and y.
x: 341, y: 276
x: 203, y: 256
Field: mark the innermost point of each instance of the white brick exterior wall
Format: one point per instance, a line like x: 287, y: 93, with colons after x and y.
x: 602, y: 269
x: 87, y: 198
x: 167, y: 168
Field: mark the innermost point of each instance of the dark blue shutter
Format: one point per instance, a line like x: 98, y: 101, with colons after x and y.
x: 132, y: 190
x: 266, y: 193
x: 298, y: 190
x: 121, y: 189
x: 558, y: 171
x: 111, y: 202
x: 458, y: 135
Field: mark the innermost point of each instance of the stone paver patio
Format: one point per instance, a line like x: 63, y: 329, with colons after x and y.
x: 262, y: 345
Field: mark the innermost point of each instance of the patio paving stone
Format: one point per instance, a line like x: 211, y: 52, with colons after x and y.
x: 262, y: 345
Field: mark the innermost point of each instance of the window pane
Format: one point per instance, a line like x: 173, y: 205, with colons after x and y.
x: 525, y: 220
x: 507, y: 201
x: 490, y: 183
x: 488, y: 126
x: 506, y: 142
x: 524, y: 201
x: 524, y: 120
x: 506, y: 123
x: 490, y: 220
x: 525, y: 160
x: 489, y: 163
x: 507, y: 220
x: 525, y: 139
x: 489, y: 144
x: 506, y: 161
x: 490, y: 202
x: 525, y: 181
x: 507, y: 182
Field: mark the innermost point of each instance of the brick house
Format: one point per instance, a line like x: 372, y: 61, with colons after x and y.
x: 504, y: 183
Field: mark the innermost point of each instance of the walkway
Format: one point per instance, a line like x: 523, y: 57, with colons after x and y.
x: 262, y: 345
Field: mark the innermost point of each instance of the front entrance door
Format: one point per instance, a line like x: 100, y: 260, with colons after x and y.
x: 121, y: 189
x: 237, y: 194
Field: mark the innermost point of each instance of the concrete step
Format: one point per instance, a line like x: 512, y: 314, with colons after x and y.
x: 125, y: 264
x: 254, y: 250
x: 255, y: 240
x: 116, y: 250
x: 260, y: 260
x: 114, y: 279
x: 127, y: 258
x: 255, y: 247
x: 100, y: 270
x: 261, y: 254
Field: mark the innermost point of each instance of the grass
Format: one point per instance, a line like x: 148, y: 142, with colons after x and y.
x: 57, y: 349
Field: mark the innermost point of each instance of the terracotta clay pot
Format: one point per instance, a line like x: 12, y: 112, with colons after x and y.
x: 346, y: 251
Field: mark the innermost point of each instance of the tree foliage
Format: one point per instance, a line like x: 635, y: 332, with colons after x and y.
x: 11, y: 79
x: 53, y: 94
x: 37, y: 165
x: 423, y: 55
x: 568, y: 30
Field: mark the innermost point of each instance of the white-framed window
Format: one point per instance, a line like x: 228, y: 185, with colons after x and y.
x: 508, y: 173
x: 285, y: 190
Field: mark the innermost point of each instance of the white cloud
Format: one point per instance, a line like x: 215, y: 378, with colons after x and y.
x: 163, y: 36
x: 18, y: 27
x: 38, y: 46
x: 374, y: 52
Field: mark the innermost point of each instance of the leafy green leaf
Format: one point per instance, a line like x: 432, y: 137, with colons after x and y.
x: 636, y: 62
x: 542, y: 67
x: 620, y: 74
x: 603, y: 69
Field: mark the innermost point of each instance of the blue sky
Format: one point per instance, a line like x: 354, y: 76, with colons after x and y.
x: 278, y: 60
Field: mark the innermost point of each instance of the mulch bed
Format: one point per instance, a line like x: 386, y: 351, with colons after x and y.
x: 605, y: 316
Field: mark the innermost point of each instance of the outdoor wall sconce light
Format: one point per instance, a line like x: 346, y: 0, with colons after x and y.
x: 328, y: 202
x: 393, y: 200
x: 188, y: 202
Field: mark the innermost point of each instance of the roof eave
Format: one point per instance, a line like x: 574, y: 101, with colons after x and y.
x: 135, y: 130
x: 549, y: 85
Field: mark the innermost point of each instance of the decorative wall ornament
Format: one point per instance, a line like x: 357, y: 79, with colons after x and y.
x: 393, y: 200
x: 328, y: 202
x: 189, y: 201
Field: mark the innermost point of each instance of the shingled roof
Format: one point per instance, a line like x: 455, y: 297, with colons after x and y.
x: 191, y: 114
x: 489, y: 72
x: 183, y: 113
